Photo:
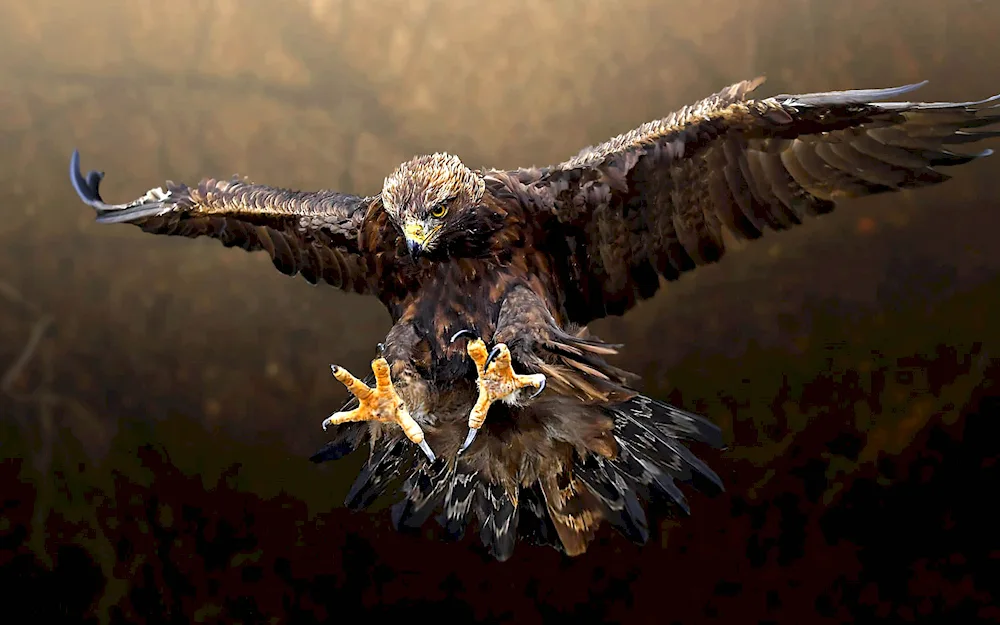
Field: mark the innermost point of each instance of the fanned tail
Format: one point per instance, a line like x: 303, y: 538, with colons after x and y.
x: 563, y: 510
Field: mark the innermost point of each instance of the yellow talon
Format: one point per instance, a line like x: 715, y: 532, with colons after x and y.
x: 497, y: 381
x: 381, y: 404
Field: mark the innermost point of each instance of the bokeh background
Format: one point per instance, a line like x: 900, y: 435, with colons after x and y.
x: 160, y: 396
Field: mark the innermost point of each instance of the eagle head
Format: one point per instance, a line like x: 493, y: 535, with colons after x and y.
x: 434, y: 200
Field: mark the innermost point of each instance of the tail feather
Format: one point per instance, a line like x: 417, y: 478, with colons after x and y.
x: 535, y: 525
x: 617, y: 495
x: 573, y: 509
x: 677, y: 423
x: 458, y: 502
x: 347, y: 438
x: 666, y: 486
x: 562, y: 511
x: 424, y: 490
x: 498, y: 519
x: 652, y: 454
x: 389, y: 461
x: 649, y: 475
x: 636, y: 431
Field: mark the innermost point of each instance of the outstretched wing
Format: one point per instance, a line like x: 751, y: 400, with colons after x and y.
x: 654, y: 202
x: 314, y: 234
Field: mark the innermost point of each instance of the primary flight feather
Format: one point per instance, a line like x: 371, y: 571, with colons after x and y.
x: 492, y: 276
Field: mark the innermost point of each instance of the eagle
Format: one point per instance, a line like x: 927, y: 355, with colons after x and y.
x: 489, y: 398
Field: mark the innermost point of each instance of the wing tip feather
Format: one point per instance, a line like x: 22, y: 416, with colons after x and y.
x: 87, y: 187
x: 132, y: 213
x: 850, y: 96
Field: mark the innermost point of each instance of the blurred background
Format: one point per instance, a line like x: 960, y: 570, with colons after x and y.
x: 160, y: 396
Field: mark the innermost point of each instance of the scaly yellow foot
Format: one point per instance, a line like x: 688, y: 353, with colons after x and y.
x: 381, y: 404
x: 497, y: 381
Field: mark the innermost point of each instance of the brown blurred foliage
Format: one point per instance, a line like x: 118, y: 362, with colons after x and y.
x: 875, y: 323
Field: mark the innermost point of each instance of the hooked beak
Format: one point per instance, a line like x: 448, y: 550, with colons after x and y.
x: 416, y: 234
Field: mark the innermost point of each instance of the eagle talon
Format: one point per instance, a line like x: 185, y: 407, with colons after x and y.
x: 471, y: 436
x: 493, y: 355
x: 497, y: 382
x: 380, y: 403
x: 469, y: 334
x: 541, y: 387
x: 424, y: 447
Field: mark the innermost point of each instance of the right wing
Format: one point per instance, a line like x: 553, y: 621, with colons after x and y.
x: 314, y: 234
x: 654, y: 202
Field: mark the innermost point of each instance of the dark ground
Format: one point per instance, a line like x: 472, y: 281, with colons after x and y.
x: 160, y: 397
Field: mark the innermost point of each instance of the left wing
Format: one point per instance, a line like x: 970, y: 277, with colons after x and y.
x: 654, y: 202
x: 314, y: 234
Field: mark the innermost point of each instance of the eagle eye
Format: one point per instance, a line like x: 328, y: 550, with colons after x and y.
x: 439, y: 211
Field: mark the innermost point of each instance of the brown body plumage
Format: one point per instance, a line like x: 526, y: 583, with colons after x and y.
x: 528, y: 258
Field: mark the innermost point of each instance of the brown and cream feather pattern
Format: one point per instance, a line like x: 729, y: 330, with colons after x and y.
x: 314, y: 234
x: 529, y: 257
x: 654, y: 201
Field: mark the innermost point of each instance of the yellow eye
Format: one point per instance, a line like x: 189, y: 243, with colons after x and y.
x: 439, y: 211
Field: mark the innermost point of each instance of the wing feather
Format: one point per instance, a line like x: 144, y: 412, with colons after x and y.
x: 661, y: 195
x: 312, y: 234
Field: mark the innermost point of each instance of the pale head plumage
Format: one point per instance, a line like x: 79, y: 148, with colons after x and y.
x: 426, y: 194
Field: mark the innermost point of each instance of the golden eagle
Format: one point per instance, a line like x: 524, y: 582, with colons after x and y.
x: 492, y: 276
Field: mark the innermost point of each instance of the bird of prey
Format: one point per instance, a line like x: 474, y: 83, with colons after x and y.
x: 491, y: 277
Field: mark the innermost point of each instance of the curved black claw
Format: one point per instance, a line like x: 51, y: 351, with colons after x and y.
x: 493, y: 354
x: 468, y: 440
x: 541, y: 387
x: 469, y: 334
x: 379, y: 350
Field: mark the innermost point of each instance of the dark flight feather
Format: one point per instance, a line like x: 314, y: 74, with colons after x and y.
x: 534, y: 523
x: 663, y: 191
x: 458, y: 502
x: 424, y: 491
x: 388, y: 463
x: 314, y: 234
x: 345, y: 441
x: 498, y: 519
